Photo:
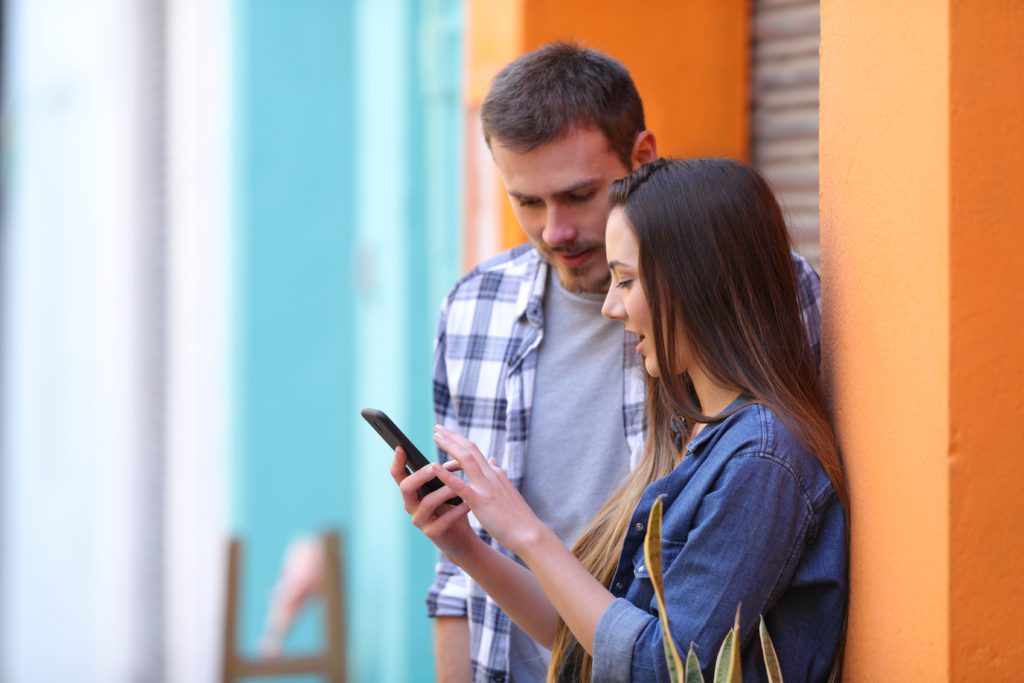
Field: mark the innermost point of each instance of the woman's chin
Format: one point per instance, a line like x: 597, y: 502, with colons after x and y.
x: 651, y: 364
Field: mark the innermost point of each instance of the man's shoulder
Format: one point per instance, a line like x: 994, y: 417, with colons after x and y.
x: 802, y: 267
x: 504, y: 273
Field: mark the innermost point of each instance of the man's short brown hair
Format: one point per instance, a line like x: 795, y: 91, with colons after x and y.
x: 544, y: 94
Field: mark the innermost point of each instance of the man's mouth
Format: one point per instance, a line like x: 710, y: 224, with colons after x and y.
x: 576, y: 259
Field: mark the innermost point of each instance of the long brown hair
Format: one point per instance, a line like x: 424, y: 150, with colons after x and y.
x: 715, y: 267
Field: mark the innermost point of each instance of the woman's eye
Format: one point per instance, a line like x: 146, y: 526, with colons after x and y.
x: 624, y: 284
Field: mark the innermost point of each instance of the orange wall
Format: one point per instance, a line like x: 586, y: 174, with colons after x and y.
x: 920, y: 152
x: 689, y: 61
x: 986, y: 392
x: 885, y: 258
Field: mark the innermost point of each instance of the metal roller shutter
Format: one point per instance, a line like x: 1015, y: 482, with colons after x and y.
x: 784, y: 119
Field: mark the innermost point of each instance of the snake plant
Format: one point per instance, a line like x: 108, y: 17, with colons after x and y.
x: 727, y: 666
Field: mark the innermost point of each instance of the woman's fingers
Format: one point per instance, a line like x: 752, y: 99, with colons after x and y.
x: 429, y: 504
x: 398, y: 472
x: 460, y: 455
x: 460, y: 487
x: 464, y: 452
x: 411, y: 485
x: 468, y: 446
x: 436, y: 527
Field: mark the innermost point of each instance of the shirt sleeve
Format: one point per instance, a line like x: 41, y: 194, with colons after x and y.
x: 809, y: 287
x: 742, y: 549
x: 447, y: 596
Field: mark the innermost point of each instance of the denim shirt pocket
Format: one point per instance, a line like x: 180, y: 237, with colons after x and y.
x: 640, y: 570
x: 669, y: 551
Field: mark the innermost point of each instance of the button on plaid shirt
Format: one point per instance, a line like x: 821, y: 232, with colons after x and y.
x: 485, y: 360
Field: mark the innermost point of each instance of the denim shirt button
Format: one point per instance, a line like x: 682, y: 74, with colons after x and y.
x: 618, y: 585
x: 639, y: 526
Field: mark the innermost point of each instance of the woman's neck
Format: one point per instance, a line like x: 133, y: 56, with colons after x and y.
x: 713, y: 397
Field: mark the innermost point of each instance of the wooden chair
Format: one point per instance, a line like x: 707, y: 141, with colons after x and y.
x: 329, y: 663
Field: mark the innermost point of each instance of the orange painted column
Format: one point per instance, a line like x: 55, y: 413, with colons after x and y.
x: 690, y: 61
x: 986, y: 340
x: 921, y: 149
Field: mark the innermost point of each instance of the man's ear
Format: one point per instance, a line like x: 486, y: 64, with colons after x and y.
x: 645, y: 149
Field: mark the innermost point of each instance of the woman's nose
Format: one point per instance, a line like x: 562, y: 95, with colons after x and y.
x: 612, y: 307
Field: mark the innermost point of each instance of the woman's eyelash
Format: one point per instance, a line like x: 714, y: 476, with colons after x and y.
x: 624, y: 284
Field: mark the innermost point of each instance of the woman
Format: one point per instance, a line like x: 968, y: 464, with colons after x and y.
x: 754, y: 492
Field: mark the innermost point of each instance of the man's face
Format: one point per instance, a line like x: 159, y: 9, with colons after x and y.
x: 559, y: 193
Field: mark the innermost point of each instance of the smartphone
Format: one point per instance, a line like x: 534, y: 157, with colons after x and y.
x: 394, y: 437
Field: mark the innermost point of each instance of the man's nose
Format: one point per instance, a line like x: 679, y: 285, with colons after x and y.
x: 558, y: 228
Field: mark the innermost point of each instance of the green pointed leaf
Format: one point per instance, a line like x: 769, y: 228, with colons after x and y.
x: 693, y: 674
x: 652, y: 556
x: 771, y: 660
x: 727, y: 666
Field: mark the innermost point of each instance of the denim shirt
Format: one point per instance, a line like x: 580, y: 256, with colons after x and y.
x: 750, y: 518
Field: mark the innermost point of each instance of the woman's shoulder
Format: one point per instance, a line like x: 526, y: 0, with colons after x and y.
x: 757, y: 436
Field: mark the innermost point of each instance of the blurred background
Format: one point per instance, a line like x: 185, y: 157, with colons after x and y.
x: 227, y: 225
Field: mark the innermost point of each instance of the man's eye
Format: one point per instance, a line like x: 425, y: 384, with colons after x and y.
x: 580, y: 198
x: 528, y: 202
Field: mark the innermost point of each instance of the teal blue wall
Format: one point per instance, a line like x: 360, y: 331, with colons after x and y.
x: 347, y: 211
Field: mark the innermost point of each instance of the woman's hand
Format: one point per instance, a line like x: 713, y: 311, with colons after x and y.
x: 445, y: 525
x: 497, y: 504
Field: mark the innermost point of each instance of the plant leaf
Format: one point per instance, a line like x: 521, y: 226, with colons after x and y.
x: 727, y: 666
x: 693, y: 674
x: 652, y: 556
x: 771, y: 660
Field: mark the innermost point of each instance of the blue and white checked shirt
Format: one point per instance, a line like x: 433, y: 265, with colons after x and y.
x: 485, y: 359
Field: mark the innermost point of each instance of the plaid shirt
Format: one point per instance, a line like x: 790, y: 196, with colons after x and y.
x: 485, y: 360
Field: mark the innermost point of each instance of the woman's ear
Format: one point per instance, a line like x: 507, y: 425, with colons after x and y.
x: 645, y: 149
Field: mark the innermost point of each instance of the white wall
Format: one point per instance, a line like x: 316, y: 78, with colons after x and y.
x: 73, y: 400
x: 111, y: 469
x: 199, y: 323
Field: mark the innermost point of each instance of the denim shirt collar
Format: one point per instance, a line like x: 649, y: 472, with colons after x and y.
x: 695, y: 444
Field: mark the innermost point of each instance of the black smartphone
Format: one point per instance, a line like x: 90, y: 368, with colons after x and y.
x: 394, y: 437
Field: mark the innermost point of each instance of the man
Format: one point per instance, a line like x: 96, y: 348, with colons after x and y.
x: 525, y: 365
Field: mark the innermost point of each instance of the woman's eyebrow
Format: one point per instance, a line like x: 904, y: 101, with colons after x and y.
x: 612, y: 265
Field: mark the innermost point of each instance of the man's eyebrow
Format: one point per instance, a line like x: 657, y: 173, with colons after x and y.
x: 575, y: 187
x: 581, y: 185
x: 519, y: 195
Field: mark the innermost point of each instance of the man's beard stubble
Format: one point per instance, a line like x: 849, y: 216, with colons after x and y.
x: 575, y: 280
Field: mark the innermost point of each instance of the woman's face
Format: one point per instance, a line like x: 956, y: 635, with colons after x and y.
x: 626, y: 300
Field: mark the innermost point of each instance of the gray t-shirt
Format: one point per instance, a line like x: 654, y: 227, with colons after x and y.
x: 577, y: 451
